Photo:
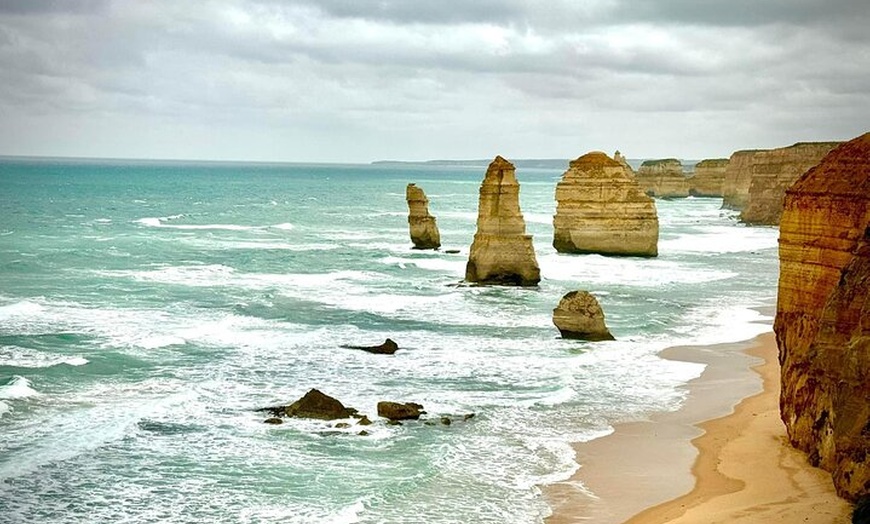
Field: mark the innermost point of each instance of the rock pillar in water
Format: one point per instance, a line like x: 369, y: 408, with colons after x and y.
x: 709, y: 178
x: 600, y: 208
x: 424, y: 231
x: 502, y: 253
x: 663, y: 178
x: 823, y: 315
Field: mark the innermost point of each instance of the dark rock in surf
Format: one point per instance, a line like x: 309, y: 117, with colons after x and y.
x: 395, y: 411
x: 387, y: 348
x: 313, y: 404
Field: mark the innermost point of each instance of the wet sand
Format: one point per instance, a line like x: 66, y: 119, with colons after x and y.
x: 722, y: 458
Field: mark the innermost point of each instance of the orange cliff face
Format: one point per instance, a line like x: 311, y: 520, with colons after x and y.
x: 823, y: 315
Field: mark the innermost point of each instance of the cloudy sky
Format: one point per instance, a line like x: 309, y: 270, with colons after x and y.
x: 360, y: 80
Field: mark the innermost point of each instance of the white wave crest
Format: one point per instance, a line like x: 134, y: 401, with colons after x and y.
x: 17, y: 387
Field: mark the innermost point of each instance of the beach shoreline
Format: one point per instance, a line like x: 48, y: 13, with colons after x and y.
x: 722, y: 457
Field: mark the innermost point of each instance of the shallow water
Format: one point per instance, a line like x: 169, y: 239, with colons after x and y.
x: 146, y: 309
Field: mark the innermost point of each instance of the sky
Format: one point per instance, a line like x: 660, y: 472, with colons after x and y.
x: 363, y: 80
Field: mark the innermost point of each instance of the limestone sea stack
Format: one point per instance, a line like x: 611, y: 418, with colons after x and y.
x: 501, y: 253
x: 709, y: 177
x: 823, y: 315
x: 663, y: 178
x: 756, y: 180
x: 579, y: 316
x: 600, y: 208
x: 424, y: 230
x: 619, y: 157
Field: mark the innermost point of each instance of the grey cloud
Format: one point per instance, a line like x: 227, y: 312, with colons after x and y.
x: 27, y: 7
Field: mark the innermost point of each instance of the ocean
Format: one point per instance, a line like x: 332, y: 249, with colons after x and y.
x: 148, y: 308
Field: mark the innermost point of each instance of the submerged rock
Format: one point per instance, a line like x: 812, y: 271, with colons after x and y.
x: 387, y: 348
x: 823, y: 315
x: 273, y: 420
x: 313, y: 404
x: 502, y: 253
x: 395, y: 411
x: 422, y: 225
x: 579, y: 316
x: 600, y: 208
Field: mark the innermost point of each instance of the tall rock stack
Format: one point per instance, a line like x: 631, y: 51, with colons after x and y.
x: 424, y: 230
x: 709, y: 178
x: 823, y: 315
x: 600, y: 208
x: 619, y: 157
x: 502, y: 253
x: 775, y: 171
x: 663, y: 178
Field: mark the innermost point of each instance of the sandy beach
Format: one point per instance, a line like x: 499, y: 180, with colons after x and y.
x: 722, y: 458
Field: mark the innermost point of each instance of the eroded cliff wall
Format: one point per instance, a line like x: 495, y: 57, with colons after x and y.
x: 709, y: 178
x: 823, y: 318
x: 663, y: 178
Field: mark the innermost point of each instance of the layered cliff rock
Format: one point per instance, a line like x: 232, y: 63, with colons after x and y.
x: 823, y: 315
x: 619, y: 157
x: 756, y: 180
x: 774, y: 171
x: 600, y: 208
x: 502, y: 252
x: 663, y: 178
x: 424, y: 230
x: 738, y: 176
x: 579, y: 316
x: 709, y: 178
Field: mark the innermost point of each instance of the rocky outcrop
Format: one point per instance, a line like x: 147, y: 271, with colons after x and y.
x: 663, y: 178
x: 424, y: 230
x: 600, y: 208
x: 775, y: 171
x: 395, y: 411
x: 756, y: 180
x: 823, y: 315
x: 313, y: 404
x: 502, y: 252
x: 709, y: 178
x: 579, y: 316
x: 387, y: 348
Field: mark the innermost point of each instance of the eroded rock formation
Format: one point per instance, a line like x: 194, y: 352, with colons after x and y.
x: 619, y: 157
x: 424, y: 230
x: 579, y: 316
x: 756, y: 180
x: 823, y: 315
x: 600, y: 208
x: 775, y: 171
x: 502, y: 252
x: 389, y: 347
x: 663, y: 178
x: 396, y: 411
x: 709, y: 178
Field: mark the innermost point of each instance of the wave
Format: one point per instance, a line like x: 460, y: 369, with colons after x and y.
x: 23, y: 308
x: 17, y: 387
x: 287, y: 226
x: 18, y: 357
x: 644, y: 273
x: 159, y: 222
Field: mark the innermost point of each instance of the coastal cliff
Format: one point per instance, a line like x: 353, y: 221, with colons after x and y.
x: 663, y: 178
x: 423, y: 229
x: 600, y: 208
x: 823, y: 315
x: 502, y: 252
x: 756, y: 180
x: 709, y: 178
x: 774, y: 171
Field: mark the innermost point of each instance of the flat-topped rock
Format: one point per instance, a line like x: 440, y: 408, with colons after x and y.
x: 600, y: 208
x: 823, y: 315
x: 501, y: 253
x: 709, y: 178
x: 422, y: 225
x: 663, y: 178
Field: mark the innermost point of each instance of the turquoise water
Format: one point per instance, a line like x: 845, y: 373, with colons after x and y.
x: 146, y: 309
